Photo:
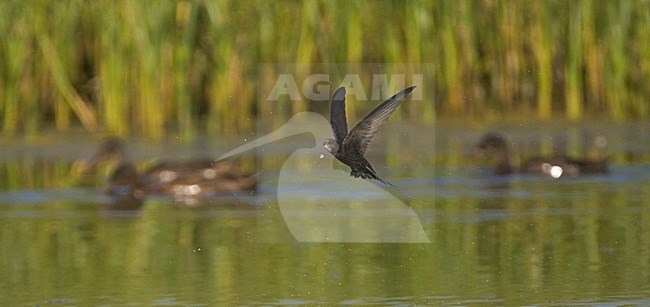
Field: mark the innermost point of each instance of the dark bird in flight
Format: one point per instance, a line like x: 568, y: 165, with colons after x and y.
x: 349, y: 148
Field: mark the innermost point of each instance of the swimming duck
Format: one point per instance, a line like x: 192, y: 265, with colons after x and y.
x: 495, y: 146
x: 191, y: 178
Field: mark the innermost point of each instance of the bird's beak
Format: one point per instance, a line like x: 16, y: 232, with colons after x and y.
x: 305, y: 122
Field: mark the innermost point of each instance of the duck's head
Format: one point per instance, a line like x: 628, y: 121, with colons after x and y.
x: 492, y: 143
x: 110, y: 151
x: 494, y: 147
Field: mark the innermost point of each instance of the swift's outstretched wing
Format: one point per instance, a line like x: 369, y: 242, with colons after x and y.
x: 337, y: 116
x: 364, y: 131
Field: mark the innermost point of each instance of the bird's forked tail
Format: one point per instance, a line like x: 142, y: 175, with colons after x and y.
x: 369, y: 173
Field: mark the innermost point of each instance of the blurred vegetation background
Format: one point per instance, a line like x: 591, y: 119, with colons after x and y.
x: 150, y: 67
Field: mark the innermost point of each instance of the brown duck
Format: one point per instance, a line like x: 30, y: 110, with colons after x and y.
x: 495, y: 146
x: 191, y: 178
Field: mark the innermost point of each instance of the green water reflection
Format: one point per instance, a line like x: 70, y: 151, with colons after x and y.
x: 497, y: 240
x: 520, y: 251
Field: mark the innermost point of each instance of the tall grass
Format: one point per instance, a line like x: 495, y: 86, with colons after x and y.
x: 157, y: 67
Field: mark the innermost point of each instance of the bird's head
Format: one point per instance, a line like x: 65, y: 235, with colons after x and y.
x: 492, y: 143
x: 331, y: 145
x: 313, y: 124
x: 110, y: 153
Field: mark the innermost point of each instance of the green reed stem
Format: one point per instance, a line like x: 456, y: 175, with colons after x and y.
x: 618, y: 21
x: 574, y: 88
x: 191, y: 66
x: 541, y: 47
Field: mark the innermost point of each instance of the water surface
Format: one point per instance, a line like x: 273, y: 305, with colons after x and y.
x: 495, y: 240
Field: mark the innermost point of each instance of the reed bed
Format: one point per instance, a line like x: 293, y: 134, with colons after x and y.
x: 185, y: 67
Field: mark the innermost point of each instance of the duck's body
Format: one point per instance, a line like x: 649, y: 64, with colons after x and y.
x: 191, y: 178
x: 195, y: 176
x: 495, y: 146
x: 179, y: 180
x: 568, y: 166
